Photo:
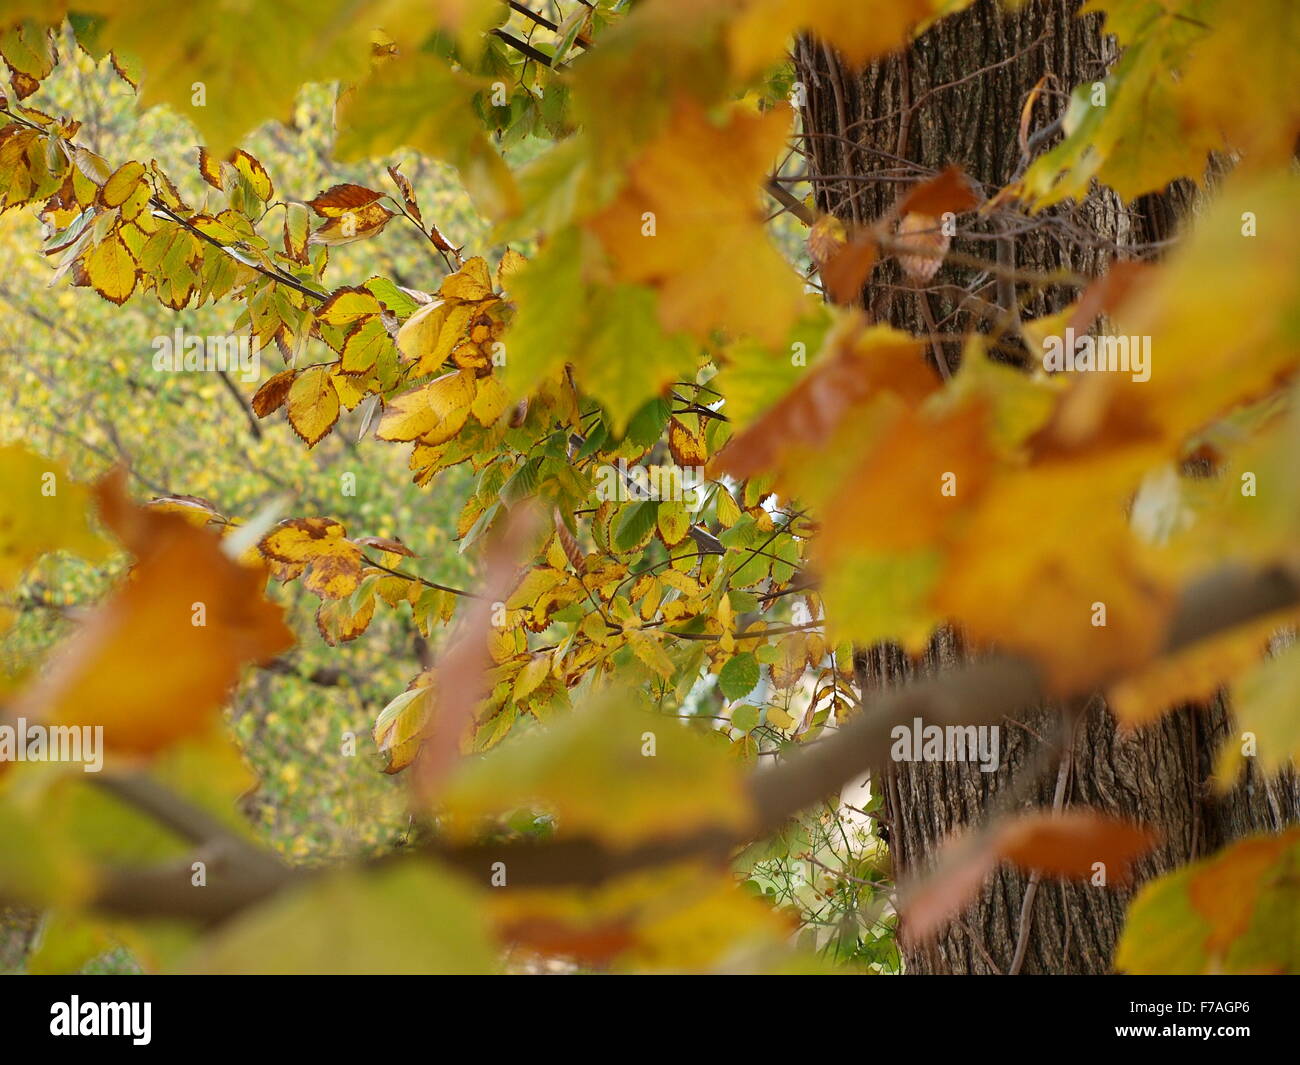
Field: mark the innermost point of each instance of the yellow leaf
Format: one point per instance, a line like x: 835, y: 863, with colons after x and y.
x: 334, y: 561
x: 112, y: 270
x: 408, y: 918
x: 759, y: 35
x: 615, y: 773
x: 41, y: 509
x: 528, y: 678
x: 434, y: 413
x: 197, y: 57
x: 313, y: 404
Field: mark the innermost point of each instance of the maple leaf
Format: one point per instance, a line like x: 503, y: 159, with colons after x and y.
x: 41, y: 510
x: 157, y: 660
x: 1263, y: 701
x: 207, y: 44
x: 418, y: 101
x: 758, y: 36
x: 610, y: 334
x: 858, y: 364
x: 1230, y: 913
x: 590, y: 769
x: 408, y: 917
x: 1195, y: 674
x: 688, y: 223
x: 1083, y: 614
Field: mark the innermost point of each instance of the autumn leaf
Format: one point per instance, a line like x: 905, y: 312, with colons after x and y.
x: 859, y: 364
x: 408, y: 917
x: 112, y: 269
x: 333, y: 561
x: 844, y: 263
x: 339, y: 200
x: 948, y: 192
x: 619, y: 350
x: 758, y: 36
x: 351, y: 226
x: 1073, y: 843
x: 688, y: 224
x: 157, y: 660
x: 273, y: 393
x: 1194, y: 674
x: 313, y: 404
x: 433, y: 413
x: 1263, y: 701
x: 202, y: 46
x: 591, y: 769
x: 419, y: 102
x: 1230, y: 913
x: 41, y: 510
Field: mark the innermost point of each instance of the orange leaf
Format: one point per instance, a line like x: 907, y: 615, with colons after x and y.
x: 156, y: 661
x: 1058, y: 844
x: 338, y: 200
x: 1070, y: 843
x: 950, y: 191
x: 878, y: 359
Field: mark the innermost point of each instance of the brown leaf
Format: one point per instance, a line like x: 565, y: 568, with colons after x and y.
x: 848, y: 268
x: 920, y: 245
x: 274, y: 391
x: 844, y: 263
x: 1066, y: 844
x: 597, y: 944
x: 408, y: 193
x: 353, y: 225
x: 385, y: 543
x: 949, y: 191
x: 874, y: 359
x: 1071, y: 843
x: 338, y: 200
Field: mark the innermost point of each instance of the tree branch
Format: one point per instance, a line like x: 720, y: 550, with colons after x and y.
x: 981, y: 692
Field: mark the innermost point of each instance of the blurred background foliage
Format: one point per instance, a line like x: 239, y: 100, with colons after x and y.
x: 79, y: 386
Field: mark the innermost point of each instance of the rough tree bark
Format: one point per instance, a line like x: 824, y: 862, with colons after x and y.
x: 955, y: 96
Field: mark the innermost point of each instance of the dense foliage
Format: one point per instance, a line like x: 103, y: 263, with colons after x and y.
x: 684, y: 474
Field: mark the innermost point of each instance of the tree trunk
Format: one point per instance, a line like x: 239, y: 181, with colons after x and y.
x: 955, y: 96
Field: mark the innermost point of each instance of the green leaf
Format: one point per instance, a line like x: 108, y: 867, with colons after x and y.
x: 738, y: 676
x: 418, y: 101
x: 409, y: 918
x: 745, y: 717
x: 635, y: 524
